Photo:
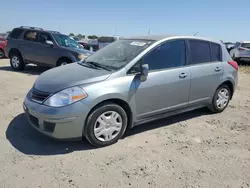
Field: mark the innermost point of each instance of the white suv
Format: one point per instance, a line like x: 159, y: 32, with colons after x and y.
x: 241, y: 51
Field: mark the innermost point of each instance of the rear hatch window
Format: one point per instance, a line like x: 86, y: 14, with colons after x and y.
x: 245, y: 45
x: 106, y: 39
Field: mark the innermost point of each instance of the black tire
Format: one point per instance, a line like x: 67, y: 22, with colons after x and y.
x: 63, y: 61
x: 16, y: 56
x: 91, y: 120
x: 214, y: 107
x: 1, y: 54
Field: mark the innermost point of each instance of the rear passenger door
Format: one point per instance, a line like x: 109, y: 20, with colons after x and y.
x: 28, y: 45
x: 206, y: 70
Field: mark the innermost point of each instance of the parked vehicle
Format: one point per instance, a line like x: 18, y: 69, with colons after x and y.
x: 89, y: 44
x: 105, y: 40
x: 130, y: 82
x: 42, y: 47
x: 3, y: 43
x: 229, y: 46
x: 241, y: 51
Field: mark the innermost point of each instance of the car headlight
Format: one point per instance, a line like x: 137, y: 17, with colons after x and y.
x: 66, y: 97
x: 81, y: 56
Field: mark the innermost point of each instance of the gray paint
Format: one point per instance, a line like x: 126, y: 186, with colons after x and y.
x: 163, y: 93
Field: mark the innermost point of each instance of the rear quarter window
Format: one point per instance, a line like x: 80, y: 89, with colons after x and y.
x: 15, y: 33
x: 215, y: 52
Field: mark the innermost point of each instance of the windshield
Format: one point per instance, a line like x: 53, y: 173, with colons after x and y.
x: 118, y: 53
x: 66, y: 41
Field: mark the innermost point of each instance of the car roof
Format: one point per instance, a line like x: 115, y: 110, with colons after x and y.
x: 161, y: 37
x: 36, y: 29
x: 245, y: 41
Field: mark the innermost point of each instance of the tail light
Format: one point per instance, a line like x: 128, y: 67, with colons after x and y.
x: 241, y: 49
x: 234, y: 64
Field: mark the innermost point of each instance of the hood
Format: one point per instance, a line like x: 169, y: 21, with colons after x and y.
x: 80, y: 50
x: 62, y: 77
x: 83, y: 51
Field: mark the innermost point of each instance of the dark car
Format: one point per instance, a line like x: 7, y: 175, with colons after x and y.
x: 42, y: 47
x: 89, y: 44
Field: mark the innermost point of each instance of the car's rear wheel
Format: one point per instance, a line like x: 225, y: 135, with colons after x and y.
x: 1, y: 54
x: 221, y: 99
x: 16, y: 61
x: 106, y: 124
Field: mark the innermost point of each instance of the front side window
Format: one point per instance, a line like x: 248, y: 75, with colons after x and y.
x: 43, y: 37
x: 66, y: 41
x: 118, y: 53
x: 199, y: 51
x: 215, y: 52
x: 168, y: 55
x: 31, y: 36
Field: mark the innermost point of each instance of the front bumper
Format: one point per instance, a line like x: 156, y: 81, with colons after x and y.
x: 59, y: 123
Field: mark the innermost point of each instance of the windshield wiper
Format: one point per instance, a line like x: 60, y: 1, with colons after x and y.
x: 98, y: 65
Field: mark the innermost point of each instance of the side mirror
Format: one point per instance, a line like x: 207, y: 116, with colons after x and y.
x: 144, y: 70
x: 49, y: 42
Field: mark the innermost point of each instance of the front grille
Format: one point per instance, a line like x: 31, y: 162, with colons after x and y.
x: 39, y: 96
x: 34, y: 120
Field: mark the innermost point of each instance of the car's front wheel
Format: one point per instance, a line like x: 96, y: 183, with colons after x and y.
x: 221, y: 99
x: 106, y: 124
x: 16, y: 62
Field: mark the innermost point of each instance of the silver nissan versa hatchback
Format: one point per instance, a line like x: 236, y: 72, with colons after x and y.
x: 130, y: 82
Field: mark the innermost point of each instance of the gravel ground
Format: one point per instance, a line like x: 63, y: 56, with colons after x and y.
x: 195, y: 149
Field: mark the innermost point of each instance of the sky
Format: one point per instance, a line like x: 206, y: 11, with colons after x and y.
x: 226, y: 20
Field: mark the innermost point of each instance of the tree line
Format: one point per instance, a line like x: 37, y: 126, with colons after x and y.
x: 80, y: 36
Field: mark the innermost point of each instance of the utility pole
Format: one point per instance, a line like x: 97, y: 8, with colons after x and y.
x: 149, y: 32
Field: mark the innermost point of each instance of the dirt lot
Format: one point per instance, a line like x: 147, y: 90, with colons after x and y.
x: 195, y: 149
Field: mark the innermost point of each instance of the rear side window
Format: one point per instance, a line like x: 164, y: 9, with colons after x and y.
x: 31, y: 36
x: 15, y: 33
x: 215, y: 52
x: 245, y: 45
x: 168, y: 55
x: 199, y: 51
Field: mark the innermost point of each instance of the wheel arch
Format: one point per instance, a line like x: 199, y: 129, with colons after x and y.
x: 63, y: 57
x: 14, y: 50
x: 230, y: 85
x: 117, y: 101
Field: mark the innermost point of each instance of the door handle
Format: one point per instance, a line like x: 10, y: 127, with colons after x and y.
x: 183, y: 75
x: 217, y: 69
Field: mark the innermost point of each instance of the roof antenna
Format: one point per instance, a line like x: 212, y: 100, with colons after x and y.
x: 149, y: 31
x: 196, y: 33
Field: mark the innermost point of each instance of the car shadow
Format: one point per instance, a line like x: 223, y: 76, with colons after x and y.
x: 29, y: 69
x: 27, y: 140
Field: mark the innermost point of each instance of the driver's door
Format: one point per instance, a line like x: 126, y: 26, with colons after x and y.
x: 47, y: 53
x: 168, y: 83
